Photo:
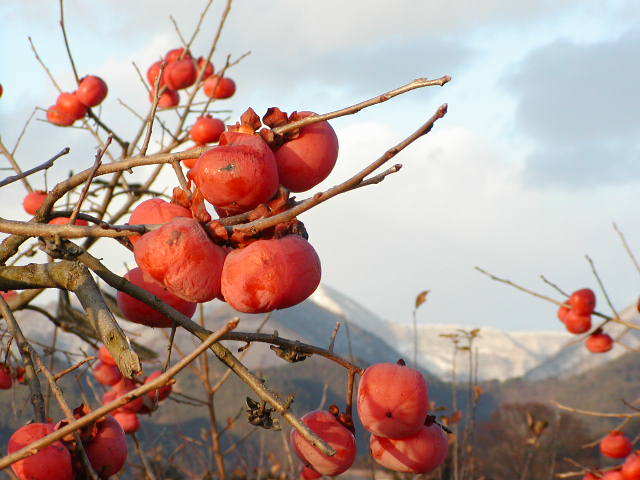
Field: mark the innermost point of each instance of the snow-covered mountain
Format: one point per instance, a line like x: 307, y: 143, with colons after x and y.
x: 501, y: 355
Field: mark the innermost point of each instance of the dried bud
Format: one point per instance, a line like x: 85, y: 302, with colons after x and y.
x: 251, y: 119
x: 275, y: 117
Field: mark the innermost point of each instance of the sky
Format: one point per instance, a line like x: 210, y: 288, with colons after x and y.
x: 524, y: 176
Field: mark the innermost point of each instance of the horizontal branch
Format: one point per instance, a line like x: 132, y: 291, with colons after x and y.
x: 293, y: 345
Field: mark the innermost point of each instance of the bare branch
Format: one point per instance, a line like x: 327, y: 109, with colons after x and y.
x: 604, y: 290
x: 42, y: 64
x: 417, y: 83
x: 595, y: 414
x: 66, y: 43
x: 23, y: 131
x: 106, y: 326
x: 627, y: 247
x: 154, y: 107
x: 92, y: 174
x: 43, y: 166
x: 16, y: 167
x: 37, y: 400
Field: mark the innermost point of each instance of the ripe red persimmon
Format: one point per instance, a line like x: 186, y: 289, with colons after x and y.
x: 175, y: 54
x: 590, y: 476
x: 153, y: 72
x: 269, y: 275
x: 327, y: 427
x: 107, y: 374
x: 308, y: 159
x: 161, y: 393
x: 105, y: 356
x: 70, y: 104
x: 207, y: 130
x: 155, y: 211
x: 577, y: 323
x: 121, y: 388
x: 20, y: 373
x: 421, y: 453
x: 59, y: 117
x: 616, y: 445
x: 139, y: 312
x: 190, y: 162
x: 563, y: 312
x: 53, y: 462
x: 219, y: 87
x: 599, y: 343
x: 92, y: 91
x: 613, y: 475
x: 107, y: 451
x: 309, y: 473
x: 208, y: 70
x: 5, y: 377
x: 129, y: 422
x: 631, y: 467
x: 181, y: 256
x: 180, y: 74
x: 168, y: 99
x: 583, y: 301
x: 237, y: 176
x: 33, y: 201
x: 65, y: 220
x: 393, y: 400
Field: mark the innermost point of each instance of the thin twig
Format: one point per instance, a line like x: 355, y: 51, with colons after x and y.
x: 87, y: 185
x: 16, y: 167
x: 417, y: 83
x: 42, y: 64
x: 627, y: 247
x: 177, y: 29
x: 43, y: 166
x: 66, y: 43
x: 154, y: 108
x: 199, y: 24
x: 64, y: 372
x: 23, y: 131
x: 143, y: 458
x: 591, y: 413
x: 604, y: 290
x: 334, y: 334
x: 554, y: 286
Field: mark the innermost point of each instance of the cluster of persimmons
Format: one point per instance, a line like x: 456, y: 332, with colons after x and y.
x: 576, y: 316
x: 185, y: 258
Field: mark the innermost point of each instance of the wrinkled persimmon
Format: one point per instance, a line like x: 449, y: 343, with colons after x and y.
x: 181, y: 256
x: 271, y: 274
